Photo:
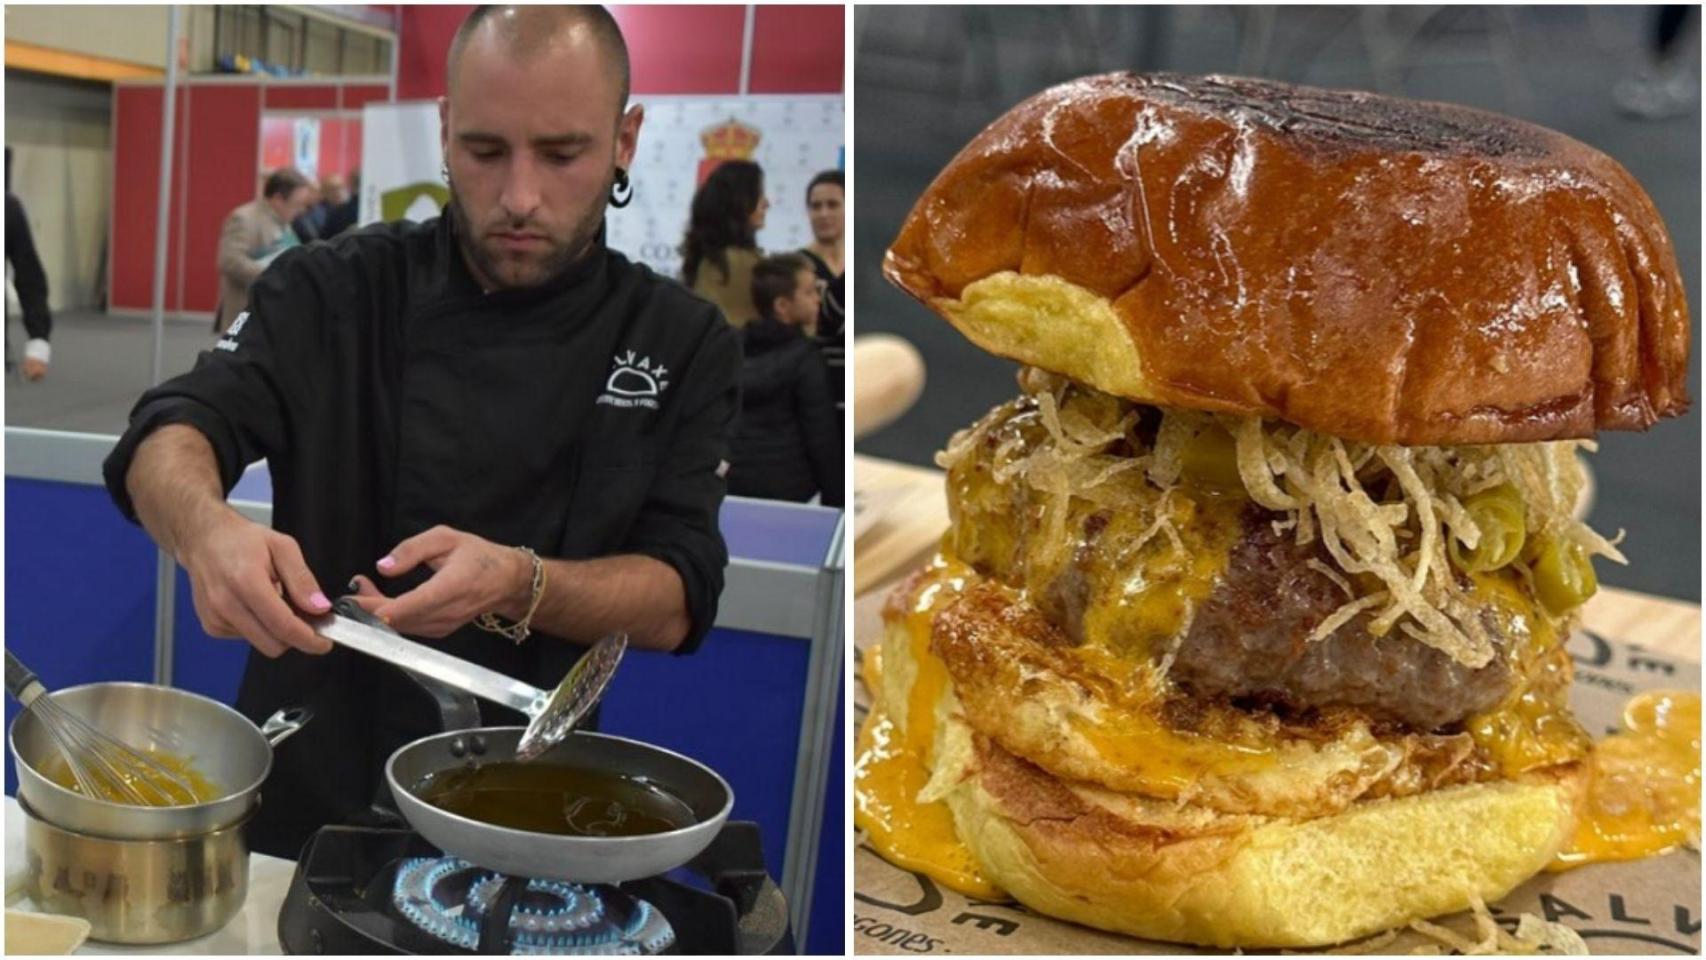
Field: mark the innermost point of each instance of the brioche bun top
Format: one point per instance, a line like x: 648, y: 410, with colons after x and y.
x: 1374, y: 268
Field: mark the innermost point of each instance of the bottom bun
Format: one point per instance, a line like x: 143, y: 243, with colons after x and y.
x: 1140, y: 867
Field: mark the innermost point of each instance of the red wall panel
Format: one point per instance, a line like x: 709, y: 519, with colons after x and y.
x: 678, y: 49
x: 796, y: 50
x: 672, y: 48
x: 278, y: 143
x: 331, y: 147
x: 355, y: 97
x: 222, y: 147
x: 426, y: 32
x: 136, y: 178
x: 293, y: 97
x: 340, y: 146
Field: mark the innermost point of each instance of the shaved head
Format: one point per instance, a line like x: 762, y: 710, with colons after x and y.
x: 533, y: 128
x: 529, y: 31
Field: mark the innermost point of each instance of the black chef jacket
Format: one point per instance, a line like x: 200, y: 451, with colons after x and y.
x: 389, y: 394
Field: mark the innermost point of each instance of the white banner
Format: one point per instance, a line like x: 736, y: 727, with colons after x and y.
x: 401, y: 165
x: 797, y: 137
x: 791, y: 137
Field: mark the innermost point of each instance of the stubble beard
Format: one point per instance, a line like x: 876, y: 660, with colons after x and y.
x: 505, y: 273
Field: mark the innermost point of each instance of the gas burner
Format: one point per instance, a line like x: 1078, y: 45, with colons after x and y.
x: 451, y: 899
x: 343, y: 900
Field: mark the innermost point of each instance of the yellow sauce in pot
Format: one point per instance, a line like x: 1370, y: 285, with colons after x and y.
x: 156, y: 791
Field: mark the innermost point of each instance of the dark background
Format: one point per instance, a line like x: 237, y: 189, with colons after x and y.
x: 927, y: 79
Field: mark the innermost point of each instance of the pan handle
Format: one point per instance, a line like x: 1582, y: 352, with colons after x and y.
x: 284, y: 723
x: 457, y: 709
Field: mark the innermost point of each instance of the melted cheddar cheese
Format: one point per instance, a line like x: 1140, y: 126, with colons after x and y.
x: 1643, y: 796
x: 1533, y: 727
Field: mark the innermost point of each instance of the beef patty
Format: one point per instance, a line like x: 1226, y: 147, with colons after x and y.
x: 1247, y: 637
x: 1247, y: 641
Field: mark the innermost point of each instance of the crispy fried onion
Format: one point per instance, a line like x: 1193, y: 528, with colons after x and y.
x: 1388, y: 511
x: 1383, y: 514
x: 1531, y: 936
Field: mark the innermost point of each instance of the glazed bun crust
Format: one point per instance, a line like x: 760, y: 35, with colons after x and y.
x: 1377, y: 269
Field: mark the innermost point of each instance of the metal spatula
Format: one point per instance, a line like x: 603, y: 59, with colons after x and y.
x: 552, y: 715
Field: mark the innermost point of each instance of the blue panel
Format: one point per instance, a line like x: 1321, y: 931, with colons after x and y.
x: 779, y: 533
x: 255, y: 485
x: 79, y: 588
x: 200, y: 663
x: 826, y: 932
x: 734, y: 705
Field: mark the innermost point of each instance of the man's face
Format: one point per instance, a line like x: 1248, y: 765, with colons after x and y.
x: 824, y: 205
x: 291, y: 205
x: 532, y: 144
x: 800, y: 307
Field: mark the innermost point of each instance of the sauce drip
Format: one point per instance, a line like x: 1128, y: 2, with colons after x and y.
x: 1644, y: 791
x: 560, y: 800
x: 156, y: 791
x: 890, y: 766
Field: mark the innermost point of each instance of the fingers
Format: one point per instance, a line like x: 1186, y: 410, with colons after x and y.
x: 256, y: 633
x: 365, y: 594
x: 292, y: 571
x: 421, y: 548
x: 424, y: 610
x: 228, y: 619
x: 279, y: 621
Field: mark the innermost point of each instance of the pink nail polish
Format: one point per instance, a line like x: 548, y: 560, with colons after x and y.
x: 387, y: 562
x: 319, y: 600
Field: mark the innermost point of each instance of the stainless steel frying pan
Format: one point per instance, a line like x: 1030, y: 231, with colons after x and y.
x: 524, y: 853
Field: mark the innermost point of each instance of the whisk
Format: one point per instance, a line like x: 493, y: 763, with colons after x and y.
x: 103, y: 767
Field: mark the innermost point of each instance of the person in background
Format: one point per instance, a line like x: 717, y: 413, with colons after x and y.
x: 722, y: 238
x: 787, y: 442
x: 253, y: 235
x: 30, y: 280
x: 331, y: 194
x: 825, y: 203
x: 342, y: 215
x: 825, y: 197
x: 303, y: 225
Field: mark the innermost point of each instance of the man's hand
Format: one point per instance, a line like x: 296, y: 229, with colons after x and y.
x: 470, y: 576
x: 242, y: 574
x: 34, y: 369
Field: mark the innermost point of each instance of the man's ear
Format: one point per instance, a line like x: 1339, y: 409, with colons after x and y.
x: 628, y: 136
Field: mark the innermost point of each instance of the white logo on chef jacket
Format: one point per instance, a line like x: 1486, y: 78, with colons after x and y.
x: 229, y: 340
x: 634, y: 382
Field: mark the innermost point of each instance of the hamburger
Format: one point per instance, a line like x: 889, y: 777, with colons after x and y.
x: 1248, y: 627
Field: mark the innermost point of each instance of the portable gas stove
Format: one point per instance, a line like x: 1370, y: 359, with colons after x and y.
x: 385, y: 890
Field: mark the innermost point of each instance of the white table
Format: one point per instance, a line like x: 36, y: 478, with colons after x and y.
x: 254, y: 930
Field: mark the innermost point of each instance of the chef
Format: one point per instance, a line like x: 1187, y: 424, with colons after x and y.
x: 503, y: 436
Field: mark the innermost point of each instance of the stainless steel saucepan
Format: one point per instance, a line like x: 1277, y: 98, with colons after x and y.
x: 524, y: 853
x: 218, y: 741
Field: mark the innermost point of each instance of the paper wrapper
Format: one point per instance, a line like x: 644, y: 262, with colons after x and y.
x: 1647, y: 906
